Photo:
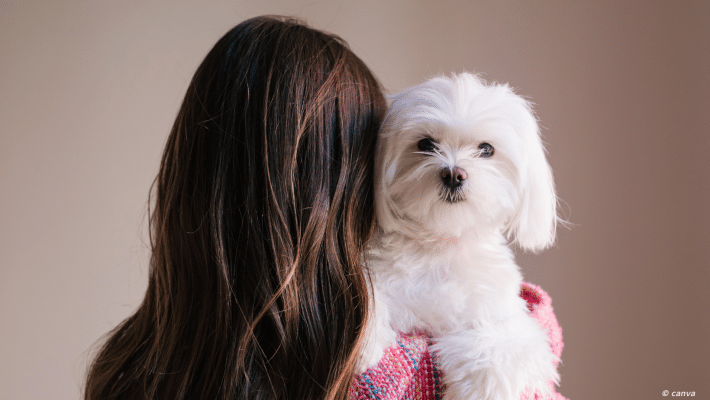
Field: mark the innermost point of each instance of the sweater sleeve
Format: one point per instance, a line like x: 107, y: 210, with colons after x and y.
x: 409, y: 370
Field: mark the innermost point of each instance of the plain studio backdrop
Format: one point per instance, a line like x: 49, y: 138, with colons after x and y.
x: 90, y: 89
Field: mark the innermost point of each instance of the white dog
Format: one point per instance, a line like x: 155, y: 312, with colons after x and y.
x: 461, y: 171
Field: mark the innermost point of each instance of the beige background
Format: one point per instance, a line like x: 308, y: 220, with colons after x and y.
x: 89, y: 90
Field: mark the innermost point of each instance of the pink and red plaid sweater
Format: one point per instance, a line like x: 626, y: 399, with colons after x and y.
x: 409, y: 371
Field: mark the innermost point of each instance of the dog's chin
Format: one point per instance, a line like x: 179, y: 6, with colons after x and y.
x: 459, y: 214
x: 427, y: 210
x: 450, y: 216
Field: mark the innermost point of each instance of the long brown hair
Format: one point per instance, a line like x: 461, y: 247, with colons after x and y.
x: 262, y: 208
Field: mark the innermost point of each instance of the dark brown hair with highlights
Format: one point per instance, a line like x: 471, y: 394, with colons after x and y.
x: 261, y: 211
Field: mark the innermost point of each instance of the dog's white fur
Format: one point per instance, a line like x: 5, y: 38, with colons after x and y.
x: 445, y: 268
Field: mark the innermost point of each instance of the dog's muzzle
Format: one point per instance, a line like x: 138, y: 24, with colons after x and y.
x: 453, y: 179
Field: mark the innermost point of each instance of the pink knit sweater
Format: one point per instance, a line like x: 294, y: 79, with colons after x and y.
x: 409, y: 370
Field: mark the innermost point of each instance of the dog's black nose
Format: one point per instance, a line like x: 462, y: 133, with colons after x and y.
x: 453, y: 178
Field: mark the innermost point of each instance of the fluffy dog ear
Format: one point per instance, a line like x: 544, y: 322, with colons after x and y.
x: 385, y: 169
x: 534, y: 223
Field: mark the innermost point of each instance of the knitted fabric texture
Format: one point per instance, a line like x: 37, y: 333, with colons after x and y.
x: 408, y: 369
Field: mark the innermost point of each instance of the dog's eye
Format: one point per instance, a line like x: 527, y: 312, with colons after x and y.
x: 427, y: 145
x: 486, y: 150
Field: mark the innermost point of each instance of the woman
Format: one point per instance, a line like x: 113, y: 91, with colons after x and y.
x: 262, y: 207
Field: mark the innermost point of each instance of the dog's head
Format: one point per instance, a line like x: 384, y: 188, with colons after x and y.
x: 457, y: 154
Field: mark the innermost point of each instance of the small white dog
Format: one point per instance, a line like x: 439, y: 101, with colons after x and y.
x: 460, y: 172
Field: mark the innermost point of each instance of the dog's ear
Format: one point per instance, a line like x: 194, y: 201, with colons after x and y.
x: 385, y: 170
x: 534, y: 223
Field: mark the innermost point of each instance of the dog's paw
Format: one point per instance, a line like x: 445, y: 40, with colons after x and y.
x: 470, y: 370
x: 498, y: 363
x: 484, y: 384
x: 379, y: 338
x: 538, y: 370
x: 370, y: 357
x: 493, y: 384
